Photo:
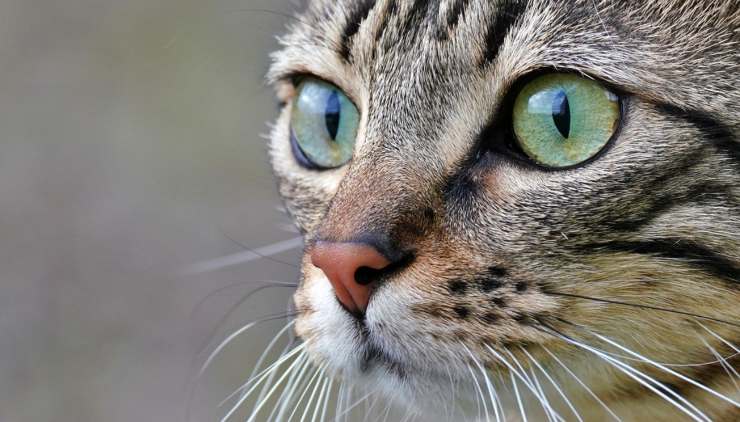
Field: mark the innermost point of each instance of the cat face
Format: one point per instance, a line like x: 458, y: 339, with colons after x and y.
x: 490, y: 234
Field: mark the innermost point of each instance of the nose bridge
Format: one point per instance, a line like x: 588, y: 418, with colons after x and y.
x: 395, y: 171
x: 375, y: 200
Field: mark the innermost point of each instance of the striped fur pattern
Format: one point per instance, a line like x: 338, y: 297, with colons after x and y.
x: 606, y: 291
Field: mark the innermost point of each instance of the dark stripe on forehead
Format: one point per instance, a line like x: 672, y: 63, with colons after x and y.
x: 356, y: 16
x: 508, y: 13
x: 419, y: 11
x: 688, y: 252
x: 391, y: 9
x: 453, y: 17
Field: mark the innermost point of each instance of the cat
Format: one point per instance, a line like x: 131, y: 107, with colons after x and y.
x: 513, y: 210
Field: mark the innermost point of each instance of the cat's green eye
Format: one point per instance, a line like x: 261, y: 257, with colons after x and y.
x: 561, y: 120
x: 323, y: 125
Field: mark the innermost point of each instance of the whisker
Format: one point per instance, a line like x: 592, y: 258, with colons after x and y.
x: 306, y: 387
x: 491, y: 392
x: 535, y: 388
x: 453, y: 389
x: 257, y: 380
x: 266, y: 352
x: 230, y: 312
x: 636, y: 305
x: 243, y: 257
x: 554, y: 384
x: 313, y: 378
x: 387, y: 412
x: 313, y: 395
x: 540, y: 392
x: 718, y: 337
x: 369, y: 410
x: 340, y: 399
x: 325, y: 406
x: 518, y: 397
x: 234, y: 335
x: 290, y: 386
x: 263, y: 401
x: 480, y: 397
x: 320, y: 398
x: 601, y: 402
x: 522, y: 377
x: 267, y: 285
x: 645, y: 380
x: 355, y: 404
x: 244, y: 397
x: 257, y: 252
x: 729, y: 370
x: 300, y: 382
x: 664, y: 368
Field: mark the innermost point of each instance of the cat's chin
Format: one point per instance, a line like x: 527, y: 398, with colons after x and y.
x: 355, y: 353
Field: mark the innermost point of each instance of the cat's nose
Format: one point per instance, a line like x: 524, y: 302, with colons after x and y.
x: 349, y: 267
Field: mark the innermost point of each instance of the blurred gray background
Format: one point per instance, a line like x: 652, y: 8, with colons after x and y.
x: 130, y: 151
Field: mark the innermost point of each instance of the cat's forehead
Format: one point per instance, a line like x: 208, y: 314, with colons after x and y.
x: 399, y: 45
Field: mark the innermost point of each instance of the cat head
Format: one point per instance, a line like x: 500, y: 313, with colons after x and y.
x: 487, y: 184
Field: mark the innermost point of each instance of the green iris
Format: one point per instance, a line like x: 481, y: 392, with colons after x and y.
x: 323, y: 125
x: 561, y: 120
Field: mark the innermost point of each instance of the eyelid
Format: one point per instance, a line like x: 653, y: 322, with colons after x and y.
x: 295, y: 79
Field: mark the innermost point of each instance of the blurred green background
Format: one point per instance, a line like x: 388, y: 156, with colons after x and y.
x: 130, y: 151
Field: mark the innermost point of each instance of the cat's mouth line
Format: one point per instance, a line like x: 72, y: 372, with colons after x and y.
x: 373, y: 356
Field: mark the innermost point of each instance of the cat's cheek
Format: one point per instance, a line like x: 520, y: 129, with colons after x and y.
x: 306, y: 192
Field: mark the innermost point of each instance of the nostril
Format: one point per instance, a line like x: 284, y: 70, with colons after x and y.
x: 367, y: 275
x: 353, y: 268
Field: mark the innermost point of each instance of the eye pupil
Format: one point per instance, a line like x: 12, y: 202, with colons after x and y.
x: 561, y: 113
x: 332, y: 114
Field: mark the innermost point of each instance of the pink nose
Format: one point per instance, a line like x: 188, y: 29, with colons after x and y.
x: 340, y: 262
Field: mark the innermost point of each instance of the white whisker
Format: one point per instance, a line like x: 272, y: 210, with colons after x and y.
x: 285, y: 395
x: 226, y: 342
x: 325, y: 406
x: 518, y: 397
x: 269, y: 394
x: 368, y: 410
x: 729, y: 370
x: 243, y: 257
x: 320, y: 399
x: 480, y: 397
x: 491, y: 392
x: 387, y: 412
x: 309, y: 403
x: 554, y: 384
x: 257, y: 380
x: 668, y: 370
x: 645, y: 380
x: 290, y: 388
x: 536, y: 382
x: 355, y: 404
x: 601, y: 402
x: 340, y: 399
x: 305, y: 386
x: 522, y: 374
x: 264, y: 356
x: 720, y: 338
